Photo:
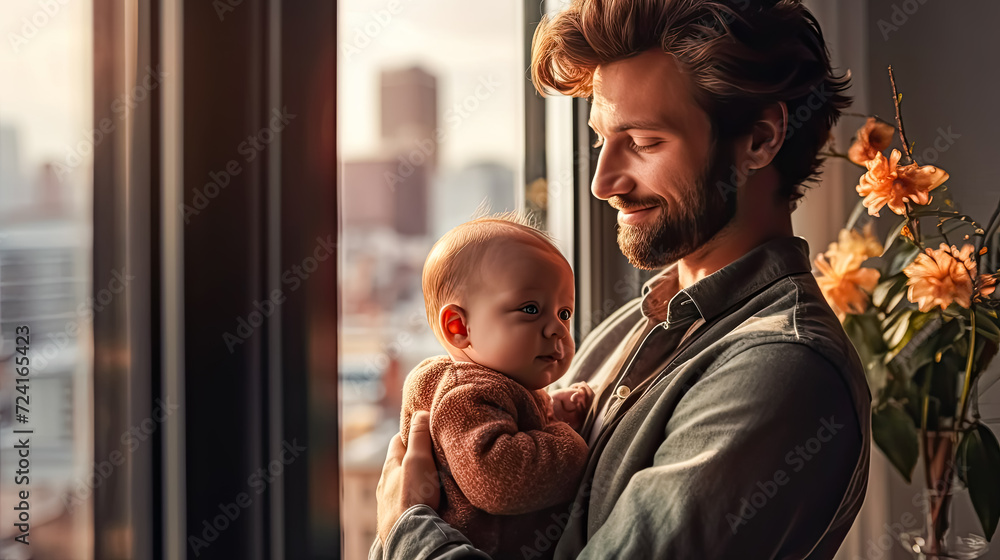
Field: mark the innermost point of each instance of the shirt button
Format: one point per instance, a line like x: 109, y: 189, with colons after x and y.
x: 622, y: 392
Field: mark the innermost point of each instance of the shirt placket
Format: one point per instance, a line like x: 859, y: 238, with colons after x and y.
x: 649, y: 359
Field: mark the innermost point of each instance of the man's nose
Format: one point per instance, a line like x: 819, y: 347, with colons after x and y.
x: 610, y: 177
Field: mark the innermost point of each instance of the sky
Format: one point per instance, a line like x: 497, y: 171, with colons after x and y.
x: 47, y: 87
x: 459, y: 41
x: 46, y: 91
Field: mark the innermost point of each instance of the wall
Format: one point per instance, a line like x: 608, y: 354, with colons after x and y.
x: 943, y: 55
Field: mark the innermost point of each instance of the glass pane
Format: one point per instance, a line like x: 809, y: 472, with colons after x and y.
x: 431, y: 127
x: 46, y: 148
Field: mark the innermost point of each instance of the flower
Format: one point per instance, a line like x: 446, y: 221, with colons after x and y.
x: 844, y: 282
x: 886, y: 183
x: 985, y: 285
x: 863, y: 244
x: 872, y: 138
x: 940, y: 277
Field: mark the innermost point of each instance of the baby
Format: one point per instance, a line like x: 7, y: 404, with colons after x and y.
x: 499, y: 297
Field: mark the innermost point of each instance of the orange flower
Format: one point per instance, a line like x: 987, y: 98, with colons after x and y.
x: 863, y: 244
x: 939, y: 277
x: 886, y: 183
x: 985, y: 285
x: 872, y: 138
x: 844, y: 282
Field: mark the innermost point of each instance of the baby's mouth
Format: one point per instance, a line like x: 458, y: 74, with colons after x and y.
x: 551, y: 358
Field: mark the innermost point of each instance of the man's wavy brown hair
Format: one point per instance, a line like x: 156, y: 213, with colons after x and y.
x: 742, y: 56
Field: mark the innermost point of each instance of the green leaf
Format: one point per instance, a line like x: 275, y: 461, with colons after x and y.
x: 866, y: 335
x: 914, y: 340
x: 939, y: 341
x: 859, y: 209
x: 986, y: 326
x: 893, y: 304
x: 979, y: 468
x: 896, y: 435
x: 893, y: 236
x: 887, y: 289
x: 904, y: 256
x: 896, y: 332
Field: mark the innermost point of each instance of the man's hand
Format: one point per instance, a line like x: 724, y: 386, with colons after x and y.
x: 571, y: 404
x: 409, y: 476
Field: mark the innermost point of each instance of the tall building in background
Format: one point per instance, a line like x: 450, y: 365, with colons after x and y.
x: 395, y: 203
x: 409, y: 122
x: 386, y: 206
x: 409, y: 110
x: 367, y: 198
x: 13, y: 188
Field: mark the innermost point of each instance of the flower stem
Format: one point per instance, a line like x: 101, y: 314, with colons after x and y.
x: 899, y: 117
x: 949, y: 215
x: 967, y: 384
x: 836, y: 154
x: 990, y: 228
x: 914, y: 224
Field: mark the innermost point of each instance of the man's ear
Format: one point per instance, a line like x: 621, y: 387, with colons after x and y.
x: 767, y: 136
x: 454, y: 325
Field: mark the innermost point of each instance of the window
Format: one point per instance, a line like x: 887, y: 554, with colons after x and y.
x: 47, y: 140
x: 431, y: 127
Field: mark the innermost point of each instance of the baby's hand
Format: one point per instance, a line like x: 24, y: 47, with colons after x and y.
x: 571, y: 404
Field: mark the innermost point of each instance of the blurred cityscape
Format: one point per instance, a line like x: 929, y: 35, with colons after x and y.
x: 45, y: 260
x: 47, y: 140
x: 394, y: 207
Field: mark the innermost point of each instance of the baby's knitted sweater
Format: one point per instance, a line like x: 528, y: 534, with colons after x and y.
x: 505, y: 462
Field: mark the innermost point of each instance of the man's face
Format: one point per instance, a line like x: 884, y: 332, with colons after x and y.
x: 657, y: 166
x: 518, y: 315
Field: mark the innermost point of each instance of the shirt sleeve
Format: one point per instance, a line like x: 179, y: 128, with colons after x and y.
x: 755, y: 462
x: 420, y: 533
x: 500, y: 468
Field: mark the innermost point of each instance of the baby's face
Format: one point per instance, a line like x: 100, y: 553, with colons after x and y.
x: 519, y: 314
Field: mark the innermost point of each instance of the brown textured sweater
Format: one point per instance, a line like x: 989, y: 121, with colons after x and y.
x: 505, y: 462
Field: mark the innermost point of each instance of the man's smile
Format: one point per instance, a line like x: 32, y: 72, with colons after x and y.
x: 635, y: 216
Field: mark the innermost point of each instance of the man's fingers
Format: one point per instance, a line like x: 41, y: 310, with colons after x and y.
x: 419, y: 469
x: 409, y: 476
x: 396, y: 450
x: 420, y: 436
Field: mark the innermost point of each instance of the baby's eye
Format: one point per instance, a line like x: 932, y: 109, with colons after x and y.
x: 565, y: 314
x: 530, y: 309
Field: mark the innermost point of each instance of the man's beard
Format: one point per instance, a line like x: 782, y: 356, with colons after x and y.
x: 703, y: 210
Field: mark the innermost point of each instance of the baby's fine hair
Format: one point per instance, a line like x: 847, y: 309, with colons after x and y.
x: 454, y: 260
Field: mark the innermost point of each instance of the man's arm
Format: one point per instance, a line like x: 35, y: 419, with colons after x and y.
x: 756, y: 459
x: 407, y: 525
x: 420, y: 533
x: 742, y: 425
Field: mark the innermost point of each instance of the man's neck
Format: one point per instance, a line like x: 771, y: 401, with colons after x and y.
x: 748, y: 230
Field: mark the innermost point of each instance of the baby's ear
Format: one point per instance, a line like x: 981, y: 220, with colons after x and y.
x: 454, y: 325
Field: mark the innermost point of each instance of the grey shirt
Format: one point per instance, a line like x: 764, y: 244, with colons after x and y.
x: 745, y: 431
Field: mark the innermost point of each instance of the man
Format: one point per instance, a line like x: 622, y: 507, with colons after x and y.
x: 732, y: 417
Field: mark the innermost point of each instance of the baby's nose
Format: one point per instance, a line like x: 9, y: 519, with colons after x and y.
x: 556, y: 329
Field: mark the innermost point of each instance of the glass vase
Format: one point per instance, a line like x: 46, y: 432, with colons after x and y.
x: 939, y: 538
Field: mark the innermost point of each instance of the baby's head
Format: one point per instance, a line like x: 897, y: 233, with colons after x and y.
x: 500, y: 294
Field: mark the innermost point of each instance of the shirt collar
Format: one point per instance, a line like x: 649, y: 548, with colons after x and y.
x: 715, y: 293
